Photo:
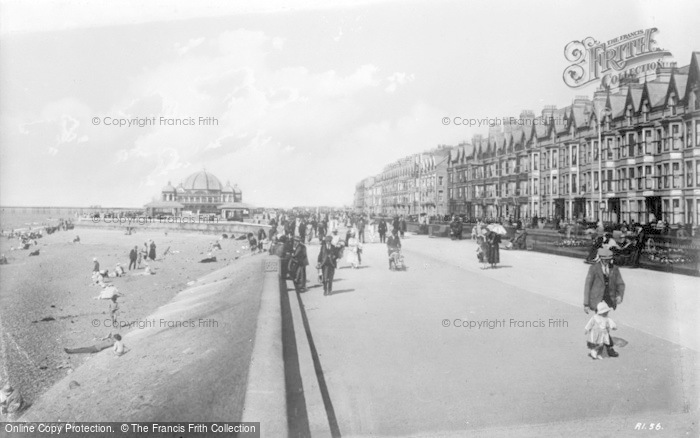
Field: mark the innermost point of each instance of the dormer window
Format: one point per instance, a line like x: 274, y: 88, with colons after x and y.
x: 645, y: 111
x: 672, y: 104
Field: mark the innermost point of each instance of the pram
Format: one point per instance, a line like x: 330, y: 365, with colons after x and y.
x: 396, y: 262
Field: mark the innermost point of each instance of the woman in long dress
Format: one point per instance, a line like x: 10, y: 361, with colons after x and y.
x: 354, y: 246
x: 493, y: 240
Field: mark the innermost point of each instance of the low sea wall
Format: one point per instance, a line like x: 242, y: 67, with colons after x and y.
x: 230, y: 228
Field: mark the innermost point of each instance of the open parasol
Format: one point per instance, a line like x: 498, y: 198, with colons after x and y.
x: 497, y: 228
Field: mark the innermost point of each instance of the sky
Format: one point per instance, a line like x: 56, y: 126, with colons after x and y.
x: 309, y: 97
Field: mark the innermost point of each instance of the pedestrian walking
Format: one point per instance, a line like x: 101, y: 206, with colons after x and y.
x: 152, y: 251
x: 361, y: 230
x: 393, y: 244
x: 598, y: 329
x: 326, y: 263
x: 493, y: 254
x: 298, y: 263
x: 604, y: 283
x: 382, y: 228
x: 133, y: 257
x: 353, y: 251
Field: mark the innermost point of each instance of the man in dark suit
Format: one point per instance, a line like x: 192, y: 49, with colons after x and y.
x: 133, y: 256
x: 382, y: 230
x: 603, y: 283
x: 361, y: 230
x: 298, y: 264
x: 327, y: 262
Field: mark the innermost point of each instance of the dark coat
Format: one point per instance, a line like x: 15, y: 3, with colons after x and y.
x: 328, y: 255
x: 133, y: 254
x: 382, y: 227
x: 300, y: 255
x: 595, y: 286
x: 493, y: 240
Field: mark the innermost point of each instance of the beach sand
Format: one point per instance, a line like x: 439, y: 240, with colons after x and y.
x: 56, y: 285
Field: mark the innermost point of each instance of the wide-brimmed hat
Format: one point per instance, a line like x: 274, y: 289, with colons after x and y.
x: 605, y: 253
x: 603, y: 308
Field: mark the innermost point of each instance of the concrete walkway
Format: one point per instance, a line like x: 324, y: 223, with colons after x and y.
x: 396, y: 358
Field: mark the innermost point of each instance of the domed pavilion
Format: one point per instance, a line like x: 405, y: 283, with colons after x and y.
x: 199, y: 193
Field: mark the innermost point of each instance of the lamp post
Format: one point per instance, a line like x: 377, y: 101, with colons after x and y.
x: 600, y: 161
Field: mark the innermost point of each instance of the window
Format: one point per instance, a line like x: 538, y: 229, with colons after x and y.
x: 554, y: 159
x: 609, y: 149
x: 554, y: 185
x: 640, y: 178
x: 688, y: 174
x: 449, y: 193
x: 574, y: 152
x: 623, y: 179
x: 666, y: 175
x: 697, y: 129
x: 697, y: 173
x: 648, y: 144
x: 689, y: 134
x: 648, y: 183
x: 677, y: 177
x: 609, y: 181
x: 630, y: 144
x: 595, y: 180
x: 631, y: 174
x: 574, y: 179
x: 595, y: 150
x: 676, y: 134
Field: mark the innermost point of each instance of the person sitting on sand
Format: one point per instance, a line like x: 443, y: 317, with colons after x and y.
x: 119, y: 347
x: 96, y: 265
x: 209, y: 259
x: 119, y: 270
x: 3, y: 260
x: 11, y: 402
x: 34, y: 253
x: 76, y: 239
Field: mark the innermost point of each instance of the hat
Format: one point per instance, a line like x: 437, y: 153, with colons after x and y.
x: 329, y: 238
x: 605, y: 253
x: 602, y: 307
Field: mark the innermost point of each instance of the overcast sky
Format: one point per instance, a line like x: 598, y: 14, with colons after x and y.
x: 310, y: 98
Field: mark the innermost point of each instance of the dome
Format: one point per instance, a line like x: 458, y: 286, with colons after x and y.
x: 202, y: 180
x: 236, y: 189
x: 228, y: 188
x: 169, y: 188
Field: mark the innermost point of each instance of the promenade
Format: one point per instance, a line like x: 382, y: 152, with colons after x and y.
x: 393, y: 355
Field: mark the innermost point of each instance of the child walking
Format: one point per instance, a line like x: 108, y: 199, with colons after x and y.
x: 599, y: 329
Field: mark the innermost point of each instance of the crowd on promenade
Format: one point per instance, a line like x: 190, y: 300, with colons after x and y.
x: 291, y: 234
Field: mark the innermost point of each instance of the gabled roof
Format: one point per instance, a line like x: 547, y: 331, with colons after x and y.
x: 616, y: 103
x: 560, y: 117
x: 677, y: 85
x: 693, y: 73
x: 541, y: 130
x: 656, y: 93
x: 634, y: 98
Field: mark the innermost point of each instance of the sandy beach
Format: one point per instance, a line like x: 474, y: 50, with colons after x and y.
x: 46, y: 302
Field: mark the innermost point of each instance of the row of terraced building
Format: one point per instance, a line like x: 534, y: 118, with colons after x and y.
x: 628, y: 154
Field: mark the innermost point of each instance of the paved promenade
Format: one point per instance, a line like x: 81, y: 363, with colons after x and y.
x: 395, y: 358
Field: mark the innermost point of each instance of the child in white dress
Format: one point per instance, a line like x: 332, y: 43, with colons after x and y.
x: 598, y: 329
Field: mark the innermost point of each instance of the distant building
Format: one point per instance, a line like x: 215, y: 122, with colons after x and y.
x: 200, y: 193
x: 413, y: 185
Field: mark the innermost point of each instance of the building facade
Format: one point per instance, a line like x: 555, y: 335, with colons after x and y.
x: 413, y: 185
x: 628, y: 154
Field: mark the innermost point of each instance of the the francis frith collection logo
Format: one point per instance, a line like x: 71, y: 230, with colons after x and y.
x: 631, y: 54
